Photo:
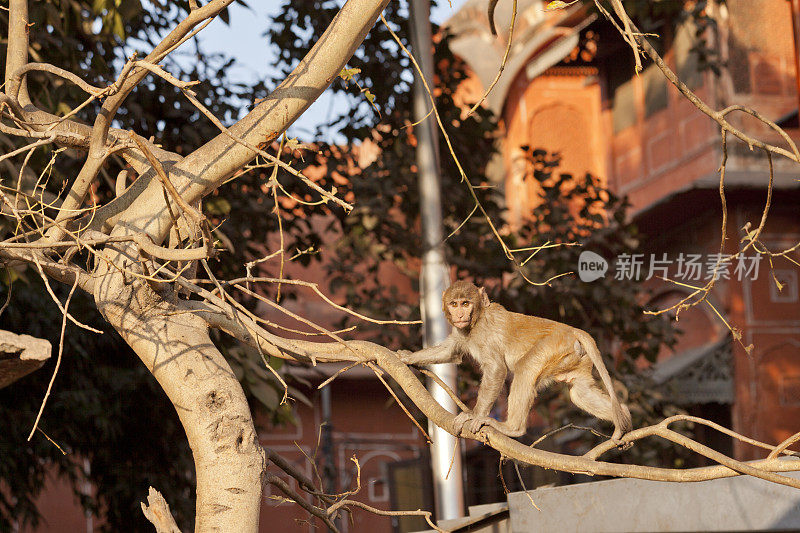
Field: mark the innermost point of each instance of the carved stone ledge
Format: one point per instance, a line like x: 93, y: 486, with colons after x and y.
x: 20, y: 355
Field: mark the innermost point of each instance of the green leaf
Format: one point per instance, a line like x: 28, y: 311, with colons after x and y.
x: 63, y: 108
x: 347, y: 73
x: 556, y: 4
x: 225, y: 16
x: 276, y: 363
x: 217, y: 206
x: 130, y: 9
x: 299, y: 396
x: 238, y: 370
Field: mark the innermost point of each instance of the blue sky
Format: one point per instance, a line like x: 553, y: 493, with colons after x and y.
x: 244, y: 40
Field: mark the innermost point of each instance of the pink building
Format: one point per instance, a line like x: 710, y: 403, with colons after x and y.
x: 569, y: 87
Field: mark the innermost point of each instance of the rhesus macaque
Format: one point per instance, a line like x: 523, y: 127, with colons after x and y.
x: 537, y: 351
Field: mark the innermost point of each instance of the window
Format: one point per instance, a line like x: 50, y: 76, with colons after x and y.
x: 411, y: 487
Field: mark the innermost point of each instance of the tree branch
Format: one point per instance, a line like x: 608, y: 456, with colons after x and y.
x: 17, y: 51
x: 213, y: 163
x: 213, y: 410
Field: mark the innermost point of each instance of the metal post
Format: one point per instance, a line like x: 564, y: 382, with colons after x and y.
x: 447, y: 479
x: 326, y: 442
x: 329, y: 484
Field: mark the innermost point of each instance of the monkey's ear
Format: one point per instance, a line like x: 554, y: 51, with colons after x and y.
x: 484, y: 297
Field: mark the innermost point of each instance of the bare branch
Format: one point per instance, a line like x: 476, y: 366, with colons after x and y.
x: 380, y: 512
x: 58, y: 360
x: 102, y: 122
x: 17, y: 51
x: 299, y: 500
x: 158, y: 513
x: 15, y: 83
x: 315, y: 288
x: 214, y: 162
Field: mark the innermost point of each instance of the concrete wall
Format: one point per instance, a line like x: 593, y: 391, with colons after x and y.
x: 734, y: 504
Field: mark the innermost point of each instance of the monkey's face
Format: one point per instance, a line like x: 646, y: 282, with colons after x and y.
x: 463, y: 303
x: 461, y: 312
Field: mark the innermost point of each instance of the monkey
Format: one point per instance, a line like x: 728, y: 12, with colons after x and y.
x: 537, y: 351
x: 490, y: 13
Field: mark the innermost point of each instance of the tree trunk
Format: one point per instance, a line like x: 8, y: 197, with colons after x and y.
x: 176, y: 348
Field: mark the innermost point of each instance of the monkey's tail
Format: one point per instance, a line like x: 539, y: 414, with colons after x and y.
x: 622, y: 416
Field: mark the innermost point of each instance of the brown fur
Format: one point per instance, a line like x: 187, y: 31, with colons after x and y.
x: 535, y: 350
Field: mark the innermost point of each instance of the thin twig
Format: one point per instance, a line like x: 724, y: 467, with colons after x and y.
x: 450, y: 392
x: 502, y: 62
x: 316, y: 289
x: 337, y: 374
x: 58, y: 360
x: 402, y: 406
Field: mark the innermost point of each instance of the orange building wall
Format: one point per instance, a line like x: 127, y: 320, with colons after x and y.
x: 367, y: 425
x: 559, y: 112
x: 61, y: 511
x: 672, y: 152
x: 663, y: 153
x: 768, y: 380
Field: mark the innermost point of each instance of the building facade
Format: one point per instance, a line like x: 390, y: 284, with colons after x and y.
x: 569, y: 87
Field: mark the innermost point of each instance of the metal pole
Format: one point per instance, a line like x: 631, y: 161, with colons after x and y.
x: 326, y: 438
x: 448, y: 483
x: 328, y: 455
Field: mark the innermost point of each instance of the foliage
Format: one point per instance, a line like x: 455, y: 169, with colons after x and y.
x: 101, y: 412
x: 585, y: 212
x: 383, y: 70
x: 380, y: 238
x: 104, y: 399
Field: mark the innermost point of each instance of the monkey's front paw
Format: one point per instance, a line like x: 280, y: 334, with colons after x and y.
x: 470, y: 422
x: 477, y: 422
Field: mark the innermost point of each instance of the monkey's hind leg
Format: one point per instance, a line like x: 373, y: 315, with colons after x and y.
x: 521, y: 397
x: 474, y: 424
x: 587, y: 396
x: 470, y: 421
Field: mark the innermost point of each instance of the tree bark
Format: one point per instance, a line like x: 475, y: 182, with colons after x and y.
x: 175, y: 346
